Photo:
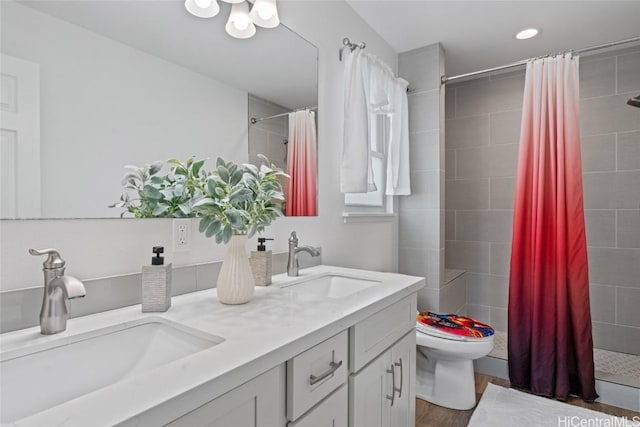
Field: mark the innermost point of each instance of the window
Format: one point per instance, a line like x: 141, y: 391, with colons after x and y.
x: 379, y: 135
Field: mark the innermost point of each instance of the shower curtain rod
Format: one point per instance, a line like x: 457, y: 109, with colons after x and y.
x: 445, y: 79
x: 254, y: 120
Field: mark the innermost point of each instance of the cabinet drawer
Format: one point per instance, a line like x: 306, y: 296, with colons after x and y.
x: 331, y: 412
x: 314, y: 374
x: 379, y: 331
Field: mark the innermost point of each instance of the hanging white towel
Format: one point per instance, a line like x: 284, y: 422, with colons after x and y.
x: 354, y: 169
x: 371, y: 88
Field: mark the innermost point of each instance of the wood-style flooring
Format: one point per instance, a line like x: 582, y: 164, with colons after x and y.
x: 430, y: 415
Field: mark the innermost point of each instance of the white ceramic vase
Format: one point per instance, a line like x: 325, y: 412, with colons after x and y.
x: 235, y: 281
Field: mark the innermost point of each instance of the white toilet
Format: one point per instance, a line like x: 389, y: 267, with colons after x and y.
x: 444, y: 367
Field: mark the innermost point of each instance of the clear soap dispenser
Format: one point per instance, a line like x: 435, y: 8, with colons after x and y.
x: 156, y: 283
x: 261, y: 263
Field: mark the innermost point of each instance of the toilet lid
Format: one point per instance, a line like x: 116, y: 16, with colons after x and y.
x: 429, y: 330
x: 452, y: 326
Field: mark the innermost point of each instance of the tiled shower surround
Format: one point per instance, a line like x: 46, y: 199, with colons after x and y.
x: 421, y: 215
x: 482, y: 133
x: 614, y: 367
x: 268, y: 137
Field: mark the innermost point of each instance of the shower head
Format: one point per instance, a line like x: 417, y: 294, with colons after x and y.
x: 634, y: 102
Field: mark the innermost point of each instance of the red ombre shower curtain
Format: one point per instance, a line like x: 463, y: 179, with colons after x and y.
x: 302, y: 164
x: 550, y: 342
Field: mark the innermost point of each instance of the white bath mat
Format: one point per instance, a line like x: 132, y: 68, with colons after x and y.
x: 505, y: 407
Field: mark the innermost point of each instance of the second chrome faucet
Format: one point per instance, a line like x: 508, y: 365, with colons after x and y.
x: 293, y: 268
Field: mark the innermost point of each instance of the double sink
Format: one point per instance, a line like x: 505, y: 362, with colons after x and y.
x: 36, y: 378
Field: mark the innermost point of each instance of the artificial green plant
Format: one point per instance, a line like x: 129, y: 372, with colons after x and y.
x: 230, y: 199
x: 148, y: 194
x: 240, y: 199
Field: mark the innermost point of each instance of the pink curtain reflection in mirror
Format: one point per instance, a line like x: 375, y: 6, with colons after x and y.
x: 302, y: 164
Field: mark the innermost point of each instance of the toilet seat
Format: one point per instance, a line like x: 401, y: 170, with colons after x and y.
x: 434, y: 332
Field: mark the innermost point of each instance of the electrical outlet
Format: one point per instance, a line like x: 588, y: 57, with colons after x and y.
x: 181, y: 235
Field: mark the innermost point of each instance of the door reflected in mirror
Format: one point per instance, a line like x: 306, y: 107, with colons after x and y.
x: 98, y: 85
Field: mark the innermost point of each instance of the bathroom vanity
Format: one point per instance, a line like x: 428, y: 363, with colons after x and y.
x: 325, y: 348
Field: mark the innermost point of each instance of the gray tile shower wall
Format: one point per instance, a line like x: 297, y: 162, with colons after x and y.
x: 268, y: 136
x: 482, y: 134
x: 421, y: 215
x: 20, y: 308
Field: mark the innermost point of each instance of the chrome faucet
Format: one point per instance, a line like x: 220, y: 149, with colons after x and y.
x: 293, y: 268
x: 57, y: 289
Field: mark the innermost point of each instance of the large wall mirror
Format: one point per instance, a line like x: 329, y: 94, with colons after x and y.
x: 91, y: 86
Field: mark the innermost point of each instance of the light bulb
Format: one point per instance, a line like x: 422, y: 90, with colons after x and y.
x: 241, y: 22
x: 202, y: 8
x: 266, y: 11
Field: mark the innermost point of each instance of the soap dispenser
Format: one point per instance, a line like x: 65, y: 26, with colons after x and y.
x: 261, y: 263
x: 156, y: 283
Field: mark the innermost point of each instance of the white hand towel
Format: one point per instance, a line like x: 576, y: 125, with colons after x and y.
x: 354, y: 169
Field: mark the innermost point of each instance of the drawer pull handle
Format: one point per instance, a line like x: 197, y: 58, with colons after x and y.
x: 333, y: 366
x: 399, y: 390
x: 392, y: 398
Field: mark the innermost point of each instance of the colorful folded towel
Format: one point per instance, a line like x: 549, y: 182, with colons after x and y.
x: 454, y: 324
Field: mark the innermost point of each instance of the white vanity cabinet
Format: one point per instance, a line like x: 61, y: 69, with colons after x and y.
x: 386, y: 383
x: 380, y: 390
x: 295, y: 357
x: 403, y: 358
x: 363, y: 376
x: 382, y: 393
x: 256, y: 403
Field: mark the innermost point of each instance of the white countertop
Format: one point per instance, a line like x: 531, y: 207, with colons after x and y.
x: 274, y: 326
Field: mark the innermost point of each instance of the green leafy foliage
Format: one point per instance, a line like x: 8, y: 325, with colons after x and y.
x: 230, y: 199
x: 148, y: 194
x: 239, y: 199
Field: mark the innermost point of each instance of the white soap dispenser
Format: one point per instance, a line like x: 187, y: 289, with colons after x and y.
x: 261, y: 263
x: 156, y: 283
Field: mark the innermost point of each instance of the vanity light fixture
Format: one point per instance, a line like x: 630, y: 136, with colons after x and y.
x: 527, y: 34
x: 202, y: 8
x: 239, y: 24
x: 264, y: 13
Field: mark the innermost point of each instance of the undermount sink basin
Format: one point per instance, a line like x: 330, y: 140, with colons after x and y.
x: 47, y: 375
x: 332, y: 286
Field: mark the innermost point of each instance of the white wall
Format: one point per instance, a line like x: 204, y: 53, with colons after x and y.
x: 96, y: 248
x: 105, y: 105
